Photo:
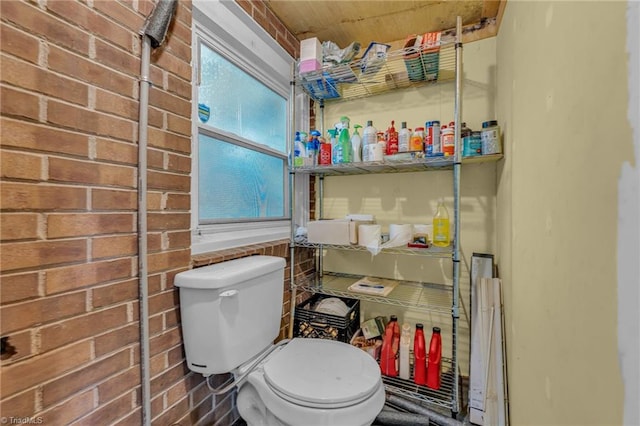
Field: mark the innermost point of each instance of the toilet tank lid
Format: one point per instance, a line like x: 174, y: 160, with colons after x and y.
x: 228, y: 273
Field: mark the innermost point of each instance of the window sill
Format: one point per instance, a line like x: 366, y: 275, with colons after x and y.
x: 207, y: 243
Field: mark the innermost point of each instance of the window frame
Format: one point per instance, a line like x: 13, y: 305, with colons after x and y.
x: 228, y: 36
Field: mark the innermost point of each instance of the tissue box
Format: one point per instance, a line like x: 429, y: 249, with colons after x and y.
x: 334, y: 231
x: 311, y: 49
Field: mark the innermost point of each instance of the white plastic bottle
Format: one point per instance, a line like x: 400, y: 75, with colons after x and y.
x: 403, y: 356
x: 403, y: 138
x: 356, y: 145
x: 369, y: 139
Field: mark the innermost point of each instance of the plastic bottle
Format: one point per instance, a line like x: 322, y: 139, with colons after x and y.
x: 324, y: 152
x: 441, y: 226
x: 403, y: 137
x: 392, y: 140
x: 344, y: 140
x: 335, y: 155
x: 434, y: 362
x: 404, y: 371
x: 434, y: 146
x: 448, y: 139
x: 299, y: 151
x: 417, y: 140
x: 390, y: 346
x: 313, y: 146
x: 356, y: 144
x: 419, y: 356
x: 369, y: 138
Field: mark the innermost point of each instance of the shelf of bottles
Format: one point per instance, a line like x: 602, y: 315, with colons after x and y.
x: 431, y: 251
x: 426, y: 297
x: 398, y: 69
x: 398, y: 163
x: 407, y: 388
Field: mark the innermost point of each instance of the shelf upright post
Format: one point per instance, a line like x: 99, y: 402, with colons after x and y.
x: 292, y: 249
x: 455, y: 403
x: 320, y: 199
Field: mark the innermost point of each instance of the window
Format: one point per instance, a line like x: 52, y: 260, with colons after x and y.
x: 240, y: 190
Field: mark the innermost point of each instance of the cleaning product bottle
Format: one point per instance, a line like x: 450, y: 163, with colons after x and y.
x: 404, y: 370
x: 356, y: 144
x: 313, y: 147
x: 392, y: 140
x: 299, y: 151
x: 336, y: 153
x: 369, y: 139
x: 390, y: 346
x: 441, y: 226
x: 434, y: 362
x: 324, y: 153
x: 344, y: 140
x: 419, y: 356
x: 448, y: 139
x: 403, y: 137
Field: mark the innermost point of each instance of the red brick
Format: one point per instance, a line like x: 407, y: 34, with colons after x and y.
x: 22, y: 104
x: 168, y: 377
x: 116, y: 152
x: 21, y: 196
x: 154, y: 200
x: 169, y: 102
x: 39, y: 369
x: 178, y: 202
x: 163, y: 302
x: 21, y: 346
x: 119, y: 13
x: 38, y: 22
x: 179, y: 87
x: 79, y: 224
x: 108, y: 413
x: 92, y: 373
x: 73, y: 277
x: 19, y: 287
x: 155, y: 159
x: 83, y: 69
x: 38, y: 254
x: 116, y: 58
x: 20, y: 316
x: 164, y: 341
x: 21, y: 405
x: 179, y: 163
x: 35, y: 79
x: 115, y: 104
x: 111, y: 199
x: 168, y: 221
x: 80, y: 327
x: 87, y: 18
x: 169, y: 181
x: 89, y: 121
x: 172, y: 415
x: 180, y: 239
x: 133, y: 419
x: 117, y: 385
x: 169, y: 260
x: 66, y: 170
x: 117, y: 339
x: 19, y: 43
x: 34, y: 136
x: 169, y: 141
x: 115, y: 293
x: 19, y: 165
x: 18, y: 226
x: 114, y: 246
x: 71, y: 409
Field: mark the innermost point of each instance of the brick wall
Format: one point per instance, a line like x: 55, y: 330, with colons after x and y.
x: 68, y: 262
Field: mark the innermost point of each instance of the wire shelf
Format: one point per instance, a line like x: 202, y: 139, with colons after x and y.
x: 402, y: 68
x: 398, y: 163
x: 431, y: 251
x: 426, y: 297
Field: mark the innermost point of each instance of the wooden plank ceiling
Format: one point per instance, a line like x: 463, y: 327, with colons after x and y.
x: 344, y: 22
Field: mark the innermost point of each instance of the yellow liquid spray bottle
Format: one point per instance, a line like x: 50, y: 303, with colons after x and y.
x: 441, y: 226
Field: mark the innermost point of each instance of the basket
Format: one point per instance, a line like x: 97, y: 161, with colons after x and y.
x: 312, y: 324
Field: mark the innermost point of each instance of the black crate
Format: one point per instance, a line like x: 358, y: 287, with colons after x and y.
x: 320, y: 325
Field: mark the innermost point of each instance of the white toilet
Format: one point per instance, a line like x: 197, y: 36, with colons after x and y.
x: 231, y: 314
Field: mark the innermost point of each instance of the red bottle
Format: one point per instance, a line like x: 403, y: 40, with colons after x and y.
x: 434, y: 363
x: 392, y: 140
x: 419, y: 357
x: 390, y: 346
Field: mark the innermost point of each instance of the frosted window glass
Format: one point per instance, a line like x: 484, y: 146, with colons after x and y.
x: 238, y: 183
x: 239, y: 103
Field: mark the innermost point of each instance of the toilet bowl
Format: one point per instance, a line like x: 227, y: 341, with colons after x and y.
x: 230, y: 315
x: 313, y: 382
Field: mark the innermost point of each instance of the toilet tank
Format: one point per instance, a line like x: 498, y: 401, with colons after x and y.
x: 230, y: 311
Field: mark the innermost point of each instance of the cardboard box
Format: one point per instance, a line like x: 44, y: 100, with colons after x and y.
x: 334, y: 231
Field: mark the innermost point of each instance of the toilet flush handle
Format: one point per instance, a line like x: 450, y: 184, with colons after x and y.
x: 228, y: 293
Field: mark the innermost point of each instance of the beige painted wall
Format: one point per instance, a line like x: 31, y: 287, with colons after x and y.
x: 412, y: 197
x: 562, y: 101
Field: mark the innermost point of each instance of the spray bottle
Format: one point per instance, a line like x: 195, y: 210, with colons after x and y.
x: 344, y: 140
x: 356, y: 144
x: 313, y: 146
x: 299, y: 151
x: 336, y: 152
x: 369, y: 138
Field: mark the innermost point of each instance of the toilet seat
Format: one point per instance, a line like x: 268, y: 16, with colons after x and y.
x: 321, y: 373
